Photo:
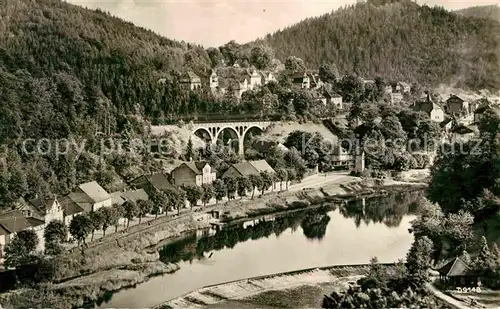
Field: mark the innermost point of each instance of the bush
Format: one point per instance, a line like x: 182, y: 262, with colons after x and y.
x: 422, y: 160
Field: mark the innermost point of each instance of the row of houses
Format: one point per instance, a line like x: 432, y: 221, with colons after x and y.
x: 238, y: 81
x: 36, y: 214
x: 455, y: 107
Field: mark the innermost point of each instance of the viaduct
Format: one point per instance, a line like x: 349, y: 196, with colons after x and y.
x: 236, y: 130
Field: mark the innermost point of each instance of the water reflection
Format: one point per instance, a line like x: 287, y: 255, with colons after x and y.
x: 388, y: 210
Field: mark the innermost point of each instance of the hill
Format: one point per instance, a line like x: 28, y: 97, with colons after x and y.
x: 71, y: 73
x: 400, y: 41
x: 62, y: 65
x: 487, y: 11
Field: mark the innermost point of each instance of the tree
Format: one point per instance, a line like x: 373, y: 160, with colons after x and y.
x: 294, y: 64
x: 256, y: 182
x: 220, y: 190
x: 231, y: 186
x: 282, y: 176
x: 215, y: 56
x: 418, y: 261
x: 484, y: 262
x: 130, y: 211
x: 54, y: 234
x: 20, y: 251
x: 80, y: 227
x: 267, y: 181
x: 120, y: 212
x: 295, y: 161
x: 352, y: 88
x: 189, y: 150
x: 291, y: 175
x: 207, y: 193
x: 244, y: 185
x: 97, y: 221
x: 145, y: 207
x: 328, y: 73
x: 261, y: 57
x: 109, y: 217
x: 193, y: 194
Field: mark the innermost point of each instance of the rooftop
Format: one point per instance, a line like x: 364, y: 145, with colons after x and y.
x: 454, y: 268
x: 94, y: 191
x: 262, y: 166
x: 69, y: 206
x: 13, y: 221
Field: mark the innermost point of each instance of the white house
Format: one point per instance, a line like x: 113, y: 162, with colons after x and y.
x: 334, y: 99
x: 90, y: 196
x: 214, y: 81
x: 254, y: 80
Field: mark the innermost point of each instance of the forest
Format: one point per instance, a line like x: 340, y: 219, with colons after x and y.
x: 399, y: 41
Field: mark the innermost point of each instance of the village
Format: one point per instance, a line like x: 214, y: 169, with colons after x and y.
x: 199, y: 182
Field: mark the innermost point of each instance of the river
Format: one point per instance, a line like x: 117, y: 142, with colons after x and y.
x: 344, y: 234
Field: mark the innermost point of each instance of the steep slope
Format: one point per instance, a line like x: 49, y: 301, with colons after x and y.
x: 62, y: 66
x: 487, y: 11
x: 398, y: 41
x: 71, y: 73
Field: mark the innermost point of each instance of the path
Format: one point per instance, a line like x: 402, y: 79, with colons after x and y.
x: 448, y: 299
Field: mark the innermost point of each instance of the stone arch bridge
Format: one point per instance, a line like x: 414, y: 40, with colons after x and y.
x: 238, y: 130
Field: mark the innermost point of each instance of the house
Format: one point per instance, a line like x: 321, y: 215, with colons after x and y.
x: 135, y: 195
x: 70, y: 209
x: 193, y: 174
x: 404, y: 87
x: 482, y: 108
x: 90, y: 196
x: 45, y: 209
x: 301, y: 79
x: 447, y: 124
x: 263, y: 166
x: 457, y: 273
x: 151, y: 184
x: 342, y: 159
x: 333, y: 98
x: 457, y: 106
x: 434, y: 111
x: 116, y: 198
x: 12, y: 222
x: 318, y: 97
x: 189, y: 80
x: 315, y: 81
x: 268, y: 77
x: 462, y: 133
x: 214, y: 81
x: 388, y: 89
x: 244, y: 169
x: 239, y: 86
x: 396, y: 97
x: 254, y: 79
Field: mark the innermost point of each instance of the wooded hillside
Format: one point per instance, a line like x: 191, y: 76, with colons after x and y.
x: 400, y: 40
x: 487, y: 11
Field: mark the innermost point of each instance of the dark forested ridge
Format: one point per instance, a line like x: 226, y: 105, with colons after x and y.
x: 62, y: 62
x: 487, y: 11
x: 400, y: 40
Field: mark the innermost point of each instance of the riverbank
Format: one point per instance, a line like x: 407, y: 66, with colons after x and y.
x: 123, y: 256
x: 251, y: 290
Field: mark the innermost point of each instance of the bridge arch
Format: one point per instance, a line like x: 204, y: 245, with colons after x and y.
x: 229, y: 136
x: 205, y: 134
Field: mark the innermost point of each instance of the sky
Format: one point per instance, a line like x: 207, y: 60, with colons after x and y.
x: 216, y: 22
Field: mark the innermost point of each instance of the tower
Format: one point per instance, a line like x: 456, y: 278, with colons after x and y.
x: 359, y: 162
